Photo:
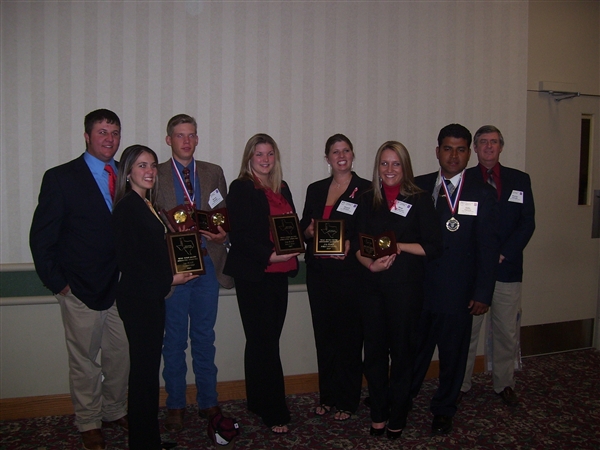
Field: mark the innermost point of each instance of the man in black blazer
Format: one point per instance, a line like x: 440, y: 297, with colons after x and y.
x: 72, y: 245
x: 460, y: 283
x: 515, y: 228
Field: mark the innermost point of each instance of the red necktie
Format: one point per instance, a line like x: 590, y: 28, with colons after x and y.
x: 112, y: 180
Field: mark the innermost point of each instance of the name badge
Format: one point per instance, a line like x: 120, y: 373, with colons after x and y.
x: 516, y: 197
x: 347, y: 207
x: 401, y: 208
x: 467, y: 208
x: 215, y: 198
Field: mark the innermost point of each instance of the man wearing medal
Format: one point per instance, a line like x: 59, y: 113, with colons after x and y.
x: 516, y: 226
x: 197, y: 185
x: 459, y: 284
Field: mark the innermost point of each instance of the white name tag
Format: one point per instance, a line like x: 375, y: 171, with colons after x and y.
x: 401, y: 208
x: 215, y: 198
x: 467, y: 208
x: 347, y: 207
x: 516, y: 197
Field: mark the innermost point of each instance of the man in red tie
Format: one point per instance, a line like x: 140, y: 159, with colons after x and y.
x: 72, y: 245
x: 515, y: 227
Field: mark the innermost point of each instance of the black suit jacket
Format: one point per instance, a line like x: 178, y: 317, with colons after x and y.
x: 142, y: 254
x: 251, y: 244
x: 316, y: 197
x: 71, y: 236
x: 467, y: 269
x: 516, y: 221
x: 419, y: 226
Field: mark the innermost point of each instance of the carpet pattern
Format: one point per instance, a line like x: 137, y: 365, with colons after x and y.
x: 559, y: 409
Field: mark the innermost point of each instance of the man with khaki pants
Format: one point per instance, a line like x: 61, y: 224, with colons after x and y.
x: 515, y: 228
x: 72, y: 245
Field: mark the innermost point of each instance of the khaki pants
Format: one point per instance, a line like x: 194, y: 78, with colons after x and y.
x: 504, y: 312
x: 98, y: 362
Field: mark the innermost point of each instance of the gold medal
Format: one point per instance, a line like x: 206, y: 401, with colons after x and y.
x: 384, y: 242
x: 218, y: 219
x: 180, y: 216
x: 452, y: 224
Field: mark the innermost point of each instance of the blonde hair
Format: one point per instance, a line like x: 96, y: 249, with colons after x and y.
x: 275, y: 176
x: 407, y: 186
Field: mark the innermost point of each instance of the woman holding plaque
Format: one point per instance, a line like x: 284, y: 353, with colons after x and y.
x: 392, y: 306
x: 331, y: 280
x: 146, y: 279
x: 261, y: 275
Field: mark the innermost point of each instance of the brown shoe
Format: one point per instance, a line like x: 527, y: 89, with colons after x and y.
x: 208, y: 413
x: 509, y: 397
x: 93, y: 439
x: 174, y: 421
x: 122, y: 423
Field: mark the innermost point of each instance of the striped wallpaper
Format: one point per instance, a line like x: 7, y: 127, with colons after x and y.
x: 298, y: 70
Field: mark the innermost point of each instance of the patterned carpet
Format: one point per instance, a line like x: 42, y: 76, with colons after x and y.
x: 559, y: 409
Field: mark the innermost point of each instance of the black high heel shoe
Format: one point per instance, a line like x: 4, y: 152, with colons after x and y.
x: 377, y: 431
x: 393, y: 435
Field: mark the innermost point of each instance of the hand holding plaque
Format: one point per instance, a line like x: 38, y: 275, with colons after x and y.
x: 286, y: 234
x: 329, y: 237
x: 375, y: 247
x: 185, y: 252
x: 179, y: 218
x: 210, y: 220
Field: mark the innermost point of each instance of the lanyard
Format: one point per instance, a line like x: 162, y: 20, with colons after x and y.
x: 191, y: 200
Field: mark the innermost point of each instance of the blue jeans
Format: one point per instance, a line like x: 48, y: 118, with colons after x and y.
x: 197, y: 299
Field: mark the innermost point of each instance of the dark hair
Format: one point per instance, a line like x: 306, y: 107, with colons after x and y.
x: 178, y: 120
x: 488, y: 129
x: 128, y: 159
x: 337, y: 138
x: 100, y: 115
x: 455, y: 130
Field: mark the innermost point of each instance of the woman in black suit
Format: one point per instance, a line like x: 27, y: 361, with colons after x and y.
x: 260, y: 275
x: 146, y: 279
x: 395, y: 294
x: 333, y: 290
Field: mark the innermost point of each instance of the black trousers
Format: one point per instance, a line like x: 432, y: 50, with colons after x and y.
x: 144, y: 321
x: 263, y: 306
x: 451, y: 333
x: 389, y: 314
x: 333, y: 296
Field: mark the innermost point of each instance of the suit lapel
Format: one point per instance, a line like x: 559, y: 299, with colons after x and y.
x: 82, y: 176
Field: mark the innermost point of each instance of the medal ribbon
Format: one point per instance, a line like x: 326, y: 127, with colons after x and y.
x: 453, y: 204
x: 182, y: 183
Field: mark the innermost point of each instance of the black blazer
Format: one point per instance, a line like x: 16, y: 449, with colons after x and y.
x: 516, y: 221
x: 316, y: 197
x: 71, y: 236
x: 142, y: 254
x: 419, y: 226
x: 251, y: 244
x: 467, y: 269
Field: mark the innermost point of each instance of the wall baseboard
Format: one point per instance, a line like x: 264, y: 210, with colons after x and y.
x: 557, y: 337
x: 58, y: 405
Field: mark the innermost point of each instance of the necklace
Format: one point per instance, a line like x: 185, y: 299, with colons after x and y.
x: 339, y: 185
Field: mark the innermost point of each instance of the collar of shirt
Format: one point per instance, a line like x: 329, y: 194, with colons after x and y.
x: 100, y: 175
x: 495, y: 171
x: 455, y: 180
